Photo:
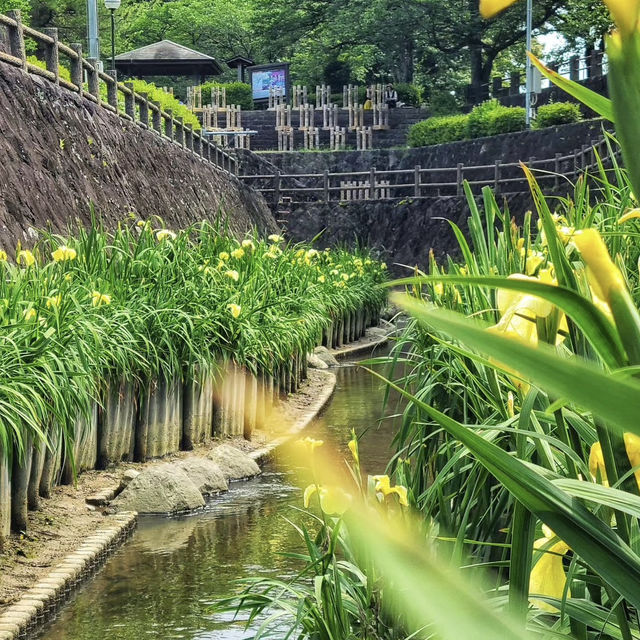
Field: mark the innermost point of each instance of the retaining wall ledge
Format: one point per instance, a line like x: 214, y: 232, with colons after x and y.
x: 39, y: 604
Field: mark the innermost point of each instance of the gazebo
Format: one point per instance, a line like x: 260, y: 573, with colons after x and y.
x: 167, y: 58
x: 240, y: 63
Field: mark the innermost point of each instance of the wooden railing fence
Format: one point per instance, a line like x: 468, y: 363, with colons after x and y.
x: 418, y: 182
x: 86, y: 79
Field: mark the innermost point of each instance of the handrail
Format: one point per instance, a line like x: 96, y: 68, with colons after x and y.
x: 85, y: 81
x: 377, y: 184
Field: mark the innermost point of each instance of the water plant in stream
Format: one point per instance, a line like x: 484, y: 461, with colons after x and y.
x: 113, y: 345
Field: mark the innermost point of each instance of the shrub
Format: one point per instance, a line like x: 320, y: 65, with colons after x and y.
x: 442, y: 103
x: 491, y: 118
x: 556, y: 113
x: 410, y: 94
x: 438, y: 130
x: 237, y: 93
x: 506, y: 120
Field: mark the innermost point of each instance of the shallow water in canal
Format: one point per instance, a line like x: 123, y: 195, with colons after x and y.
x: 162, y: 583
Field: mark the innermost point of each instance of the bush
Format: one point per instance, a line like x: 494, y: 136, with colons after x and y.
x: 167, y: 101
x: 438, y: 130
x: 410, y: 94
x: 237, y: 93
x: 550, y: 115
x: 491, y: 118
x: 442, y: 103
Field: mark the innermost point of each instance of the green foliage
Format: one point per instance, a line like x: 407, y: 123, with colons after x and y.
x: 491, y: 118
x: 167, y: 101
x: 442, y: 103
x: 557, y: 113
x: 237, y: 93
x: 438, y: 130
x: 410, y: 94
x: 64, y: 72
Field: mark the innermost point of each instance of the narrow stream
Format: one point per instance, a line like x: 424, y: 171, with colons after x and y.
x: 162, y: 583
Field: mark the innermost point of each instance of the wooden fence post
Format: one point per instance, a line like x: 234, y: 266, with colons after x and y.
x: 179, y: 135
x: 157, y: 118
x: 188, y: 136
x: 112, y: 89
x: 93, y: 80
x: 168, y: 125
x: 144, y: 110
x: 372, y: 183
x: 326, y: 185
x: 459, y: 177
x: 276, y: 189
x: 556, y: 170
x: 417, y: 191
x: 16, y: 38
x: 77, y: 73
x: 496, y: 177
x: 51, y: 53
x: 130, y: 101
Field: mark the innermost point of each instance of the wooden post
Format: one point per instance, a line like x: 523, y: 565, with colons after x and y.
x: 585, y: 156
x: 326, y: 185
x: 496, y: 177
x: 130, y: 101
x: 372, y: 183
x: 188, y: 136
x: 556, y: 170
x: 514, y: 83
x: 112, y: 89
x: 276, y: 189
x: 93, y: 80
x: 179, y: 135
x: 459, y: 179
x: 144, y: 110
x: 574, y: 68
x: 417, y: 191
x: 51, y: 53
x: 168, y: 125
x: 77, y: 74
x: 16, y: 38
x: 156, y: 118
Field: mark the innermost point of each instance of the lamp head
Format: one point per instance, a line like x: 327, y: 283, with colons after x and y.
x: 112, y: 4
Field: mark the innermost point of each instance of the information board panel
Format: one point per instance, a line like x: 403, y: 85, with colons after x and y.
x: 269, y: 76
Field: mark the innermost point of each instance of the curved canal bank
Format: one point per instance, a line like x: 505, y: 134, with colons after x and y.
x: 162, y: 583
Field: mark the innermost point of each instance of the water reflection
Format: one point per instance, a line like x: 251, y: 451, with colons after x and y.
x: 164, y: 581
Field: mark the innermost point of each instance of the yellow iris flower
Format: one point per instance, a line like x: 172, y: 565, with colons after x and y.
x: 54, y: 301
x: 310, y: 443
x: 25, y: 257
x: 248, y: 244
x: 234, y: 309
x: 383, y: 486
x: 30, y: 314
x: 98, y: 299
x: 275, y: 238
x: 223, y: 255
x: 353, y: 447
x: 232, y: 275
x: 547, y: 575
x: 165, y: 234
x: 3, y: 256
x: 334, y: 501
x: 63, y: 253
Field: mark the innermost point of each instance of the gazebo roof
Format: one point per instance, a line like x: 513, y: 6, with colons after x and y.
x: 239, y: 61
x: 166, y: 58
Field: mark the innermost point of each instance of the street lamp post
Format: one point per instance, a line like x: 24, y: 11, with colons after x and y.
x: 113, y: 6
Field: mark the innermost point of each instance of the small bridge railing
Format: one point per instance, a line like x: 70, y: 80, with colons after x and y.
x: 86, y: 79
x: 418, y: 182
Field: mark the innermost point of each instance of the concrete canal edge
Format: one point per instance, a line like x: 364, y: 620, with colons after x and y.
x: 359, y: 347
x: 40, y: 603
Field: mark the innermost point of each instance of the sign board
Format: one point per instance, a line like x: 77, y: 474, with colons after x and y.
x: 268, y: 76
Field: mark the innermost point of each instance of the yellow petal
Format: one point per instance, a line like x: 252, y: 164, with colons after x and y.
x: 596, y: 463
x: 308, y: 494
x: 489, y: 8
x: 631, y: 214
x: 334, y: 501
x: 353, y: 447
x: 401, y: 492
x: 603, y: 274
x: 547, y: 576
x: 625, y: 13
